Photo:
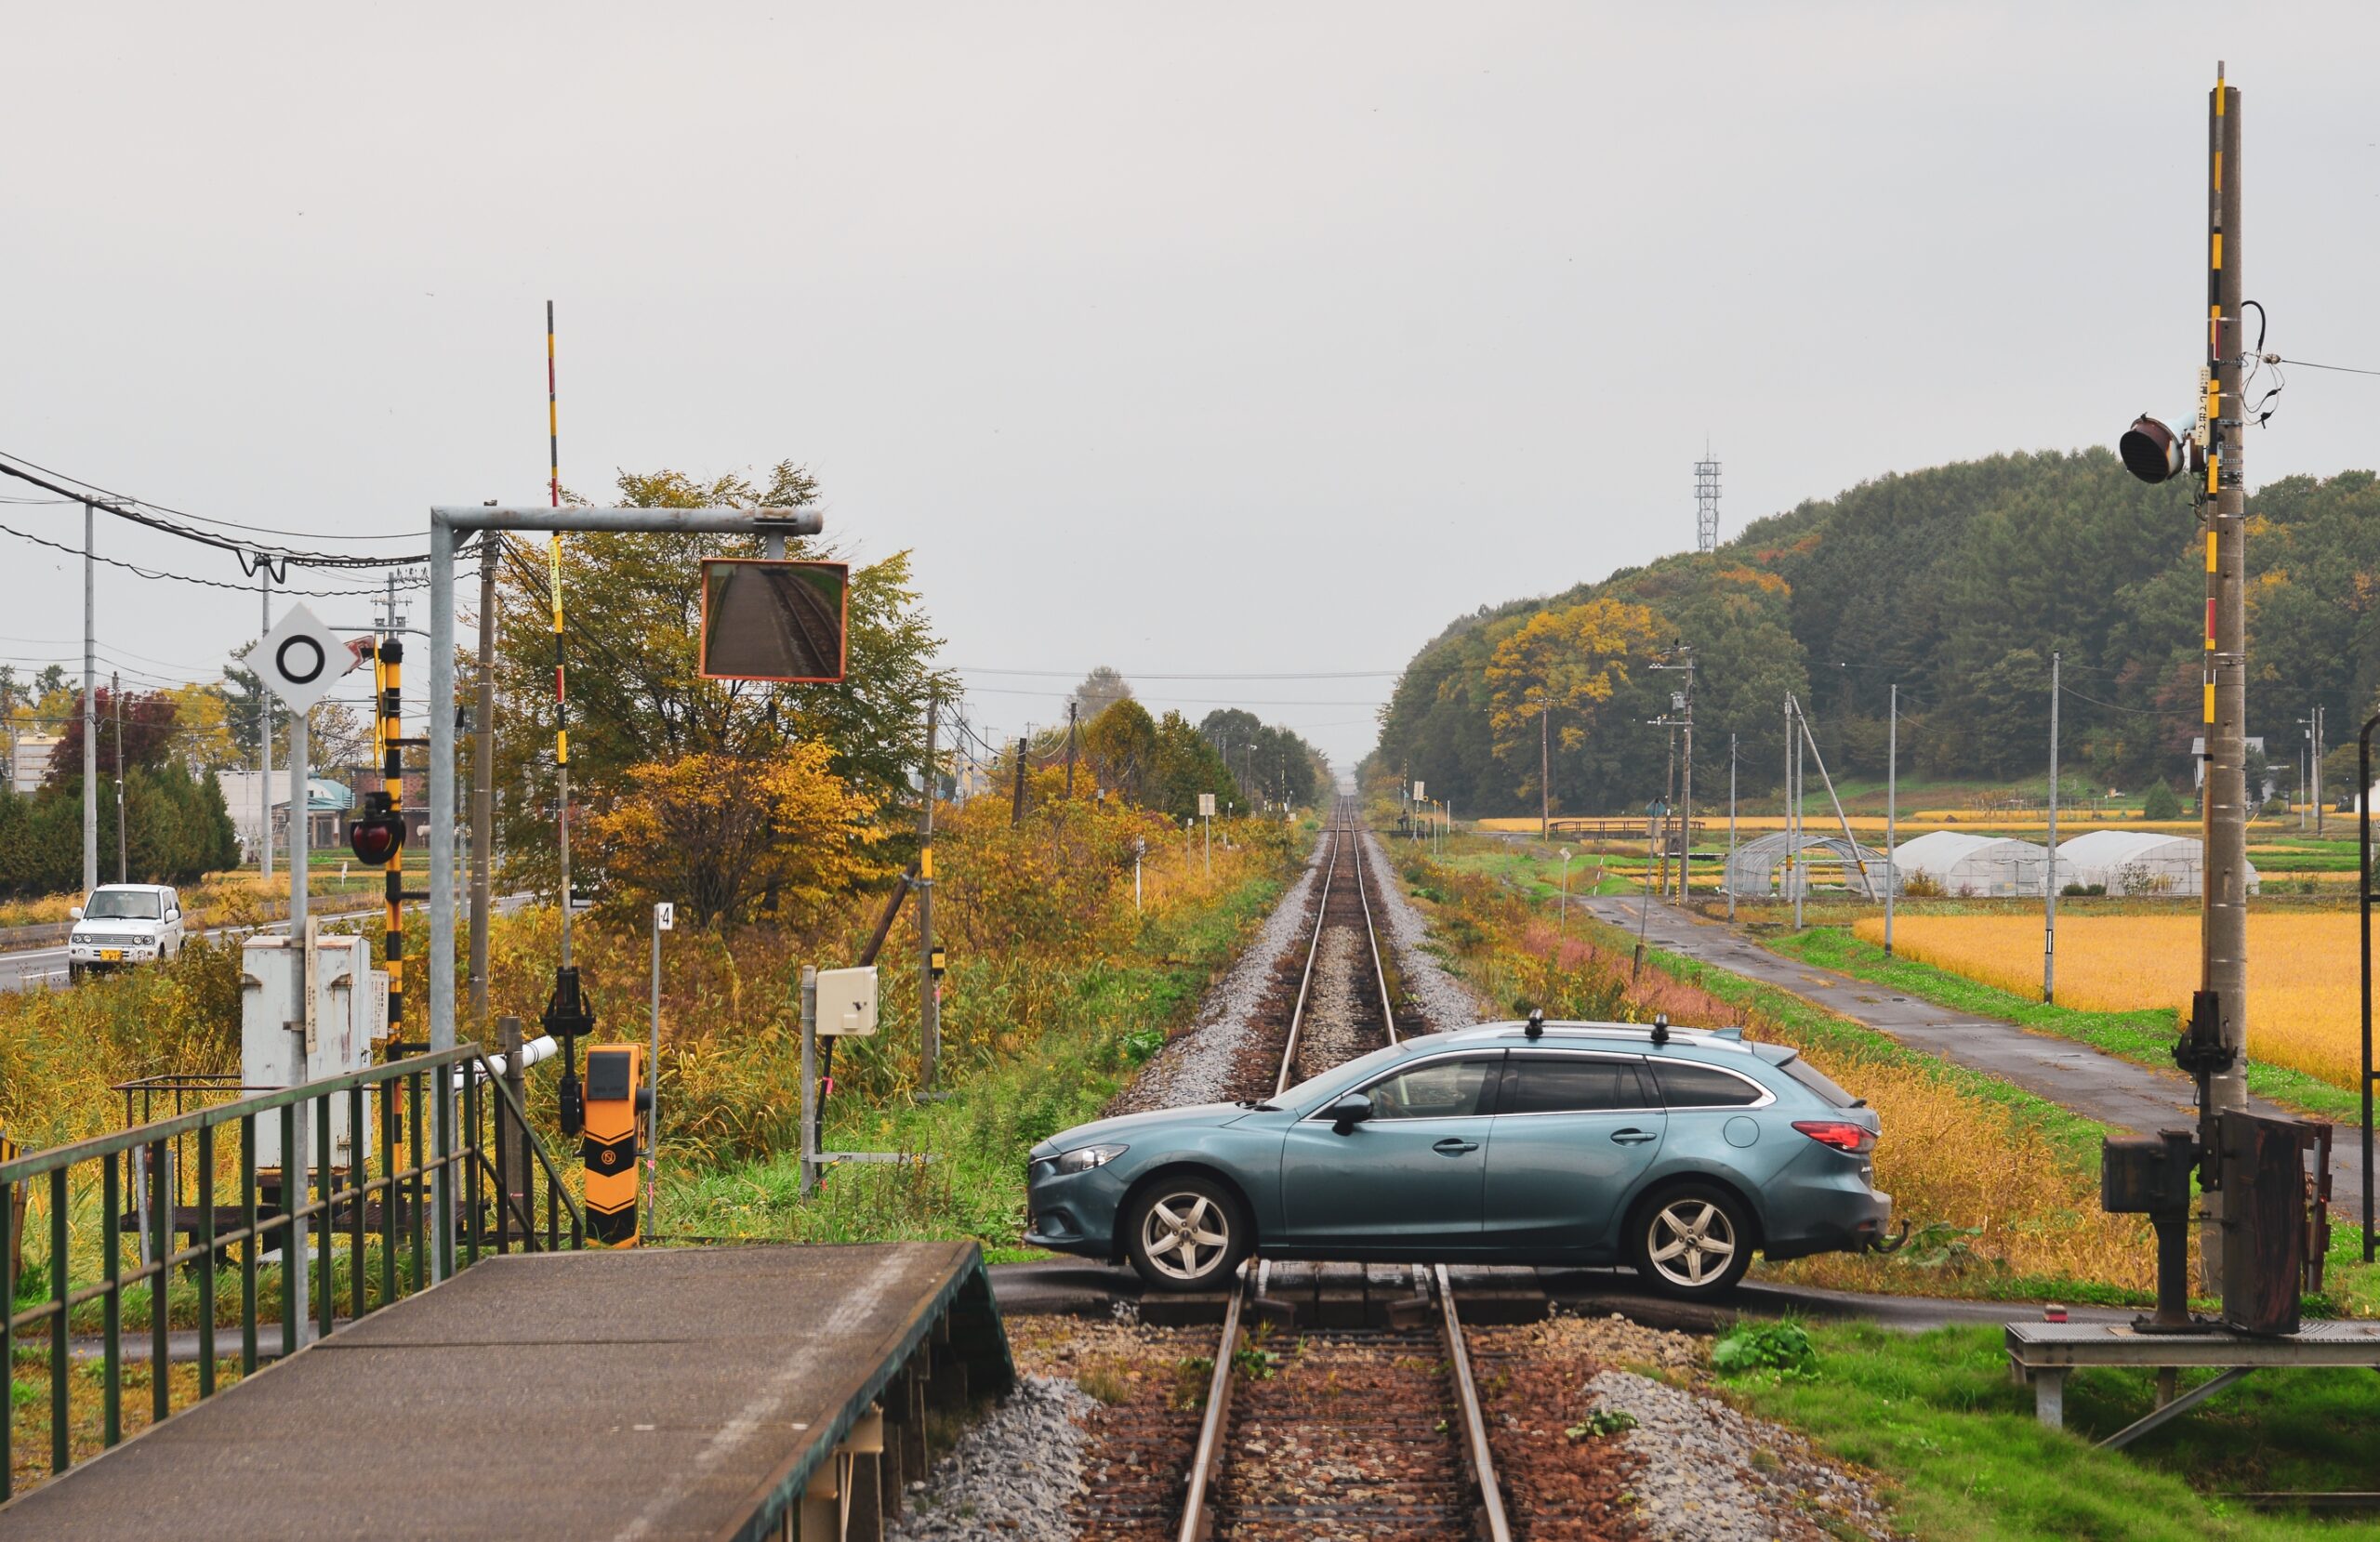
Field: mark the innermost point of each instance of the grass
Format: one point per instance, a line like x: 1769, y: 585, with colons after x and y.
x: 1115, y: 1016
x: 2144, y: 1036
x: 1935, y: 1414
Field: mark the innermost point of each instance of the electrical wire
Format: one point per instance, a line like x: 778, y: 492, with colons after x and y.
x: 139, y: 572
x: 183, y: 513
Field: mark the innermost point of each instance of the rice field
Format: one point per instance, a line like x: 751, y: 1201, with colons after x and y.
x: 2302, y: 976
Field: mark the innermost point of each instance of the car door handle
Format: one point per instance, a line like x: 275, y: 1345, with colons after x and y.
x: 1454, y: 1145
x: 1632, y: 1137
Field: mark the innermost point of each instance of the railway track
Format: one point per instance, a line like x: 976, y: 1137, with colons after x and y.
x: 1353, y: 1432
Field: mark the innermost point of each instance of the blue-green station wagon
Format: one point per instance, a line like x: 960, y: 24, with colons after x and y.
x: 1680, y: 1152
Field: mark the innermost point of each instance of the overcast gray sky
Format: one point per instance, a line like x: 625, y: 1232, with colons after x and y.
x: 1224, y: 338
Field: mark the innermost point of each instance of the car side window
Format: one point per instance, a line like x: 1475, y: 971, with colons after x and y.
x: 1437, y: 1089
x: 1686, y: 1085
x: 1571, y: 1083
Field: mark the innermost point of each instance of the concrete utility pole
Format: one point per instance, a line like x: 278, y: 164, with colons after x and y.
x: 297, y: 1167
x: 1016, y: 805
x: 2223, y: 932
x: 1793, y: 814
x: 929, y: 980
x: 2049, y: 874
x: 1730, y: 869
x: 483, y: 782
x: 1892, y: 815
x: 90, y: 720
x: 2320, y: 739
x: 264, y: 731
x: 1070, y: 749
x: 1544, y: 772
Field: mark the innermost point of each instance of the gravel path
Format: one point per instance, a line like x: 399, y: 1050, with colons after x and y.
x: 1710, y: 1474
x: 1195, y: 1067
x: 1013, y: 1475
x: 1445, y: 1002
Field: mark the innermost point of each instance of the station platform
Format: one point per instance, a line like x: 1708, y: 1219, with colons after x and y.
x: 668, y: 1393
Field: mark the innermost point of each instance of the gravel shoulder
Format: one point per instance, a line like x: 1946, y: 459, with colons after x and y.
x: 1443, y: 999
x: 1197, y: 1064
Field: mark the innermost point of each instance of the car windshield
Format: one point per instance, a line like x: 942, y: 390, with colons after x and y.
x: 122, y: 904
x: 1351, y: 1072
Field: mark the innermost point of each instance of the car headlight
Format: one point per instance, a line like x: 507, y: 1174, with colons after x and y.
x: 1082, y: 1159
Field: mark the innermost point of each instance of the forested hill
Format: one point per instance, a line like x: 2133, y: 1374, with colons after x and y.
x: 1957, y: 582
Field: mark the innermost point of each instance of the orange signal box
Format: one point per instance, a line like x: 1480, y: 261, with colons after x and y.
x: 618, y: 1105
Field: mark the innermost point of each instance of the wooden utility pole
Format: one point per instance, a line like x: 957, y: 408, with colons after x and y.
x: 1016, y: 807
x: 2223, y: 893
x: 1070, y: 750
x: 115, y: 700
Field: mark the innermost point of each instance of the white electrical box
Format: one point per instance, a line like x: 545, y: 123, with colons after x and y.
x: 347, y: 1010
x: 847, y: 1001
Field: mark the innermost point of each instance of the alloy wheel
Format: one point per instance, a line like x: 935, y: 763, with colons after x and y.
x: 1185, y: 1234
x: 1691, y: 1242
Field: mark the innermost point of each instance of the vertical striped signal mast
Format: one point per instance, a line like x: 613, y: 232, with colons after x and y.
x: 566, y: 1016
x: 2213, y: 1040
x: 378, y: 835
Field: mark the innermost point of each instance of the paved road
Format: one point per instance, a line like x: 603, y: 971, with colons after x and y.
x: 1079, y: 1288
x: 2074, y: 1075
x: 32, y: 967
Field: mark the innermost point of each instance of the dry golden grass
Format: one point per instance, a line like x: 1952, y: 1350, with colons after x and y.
x: 1994, y: 1197
x: 2302, y: 977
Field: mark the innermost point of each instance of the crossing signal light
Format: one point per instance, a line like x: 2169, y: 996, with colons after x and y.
x: 378, y: 834
x: 2151, y: 451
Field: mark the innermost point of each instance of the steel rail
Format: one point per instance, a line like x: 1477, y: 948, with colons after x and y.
x: 1474, y: 1422
x: 1305, y: 980
x: 1207, y: 1461
x: 1371, y: 940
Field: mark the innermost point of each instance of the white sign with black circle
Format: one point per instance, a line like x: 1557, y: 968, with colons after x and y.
x: 300, y: 659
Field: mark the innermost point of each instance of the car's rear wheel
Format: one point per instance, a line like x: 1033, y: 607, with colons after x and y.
x: 1186, y: 1233
x: 1692, y: 1241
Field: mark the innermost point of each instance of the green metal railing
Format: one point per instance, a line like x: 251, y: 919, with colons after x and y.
x: 432, y: 1205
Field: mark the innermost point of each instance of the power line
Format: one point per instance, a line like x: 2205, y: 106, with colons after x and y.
x: 183, y: 513
x: 252, y: 556
x: 1145, y: 675
x: 139, y: 572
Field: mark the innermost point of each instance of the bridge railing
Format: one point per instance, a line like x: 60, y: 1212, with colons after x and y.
x: 417, y: 1165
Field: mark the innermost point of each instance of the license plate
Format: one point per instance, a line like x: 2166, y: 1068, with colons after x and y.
x: 112, y: 956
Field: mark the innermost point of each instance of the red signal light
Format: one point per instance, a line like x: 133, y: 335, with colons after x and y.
x: 1844, y: 1136
x: 375, y: 838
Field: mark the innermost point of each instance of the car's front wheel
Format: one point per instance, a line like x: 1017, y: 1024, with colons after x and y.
x: 1186, y: 1233
x: 1693, y: 1242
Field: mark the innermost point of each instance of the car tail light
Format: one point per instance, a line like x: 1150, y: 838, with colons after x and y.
x: 1844, y: 1136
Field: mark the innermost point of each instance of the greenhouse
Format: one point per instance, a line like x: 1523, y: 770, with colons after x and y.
x: 2138, y: 862
x: 1757, y: 867
x: 1960, y: 866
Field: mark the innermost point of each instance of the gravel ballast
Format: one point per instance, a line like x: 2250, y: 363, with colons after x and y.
x: 1445, y: 1002
x: 1710, y: 1474
x: 1197, y: 1065
x: 1014, y: 1474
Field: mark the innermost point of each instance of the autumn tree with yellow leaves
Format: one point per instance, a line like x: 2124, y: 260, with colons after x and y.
x: 1564, y: 665
x: 716, y: 832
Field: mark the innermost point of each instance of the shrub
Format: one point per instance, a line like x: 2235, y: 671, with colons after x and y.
x: 2161, y: 803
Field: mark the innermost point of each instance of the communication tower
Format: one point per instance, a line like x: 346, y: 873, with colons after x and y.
x: 1706, y: 504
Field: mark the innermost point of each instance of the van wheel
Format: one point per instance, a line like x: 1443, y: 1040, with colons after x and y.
x: 1693, y: 1242
x: 1186, y: 1233
x: 73, y: 972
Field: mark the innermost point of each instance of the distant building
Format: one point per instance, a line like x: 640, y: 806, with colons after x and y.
x: 2140, y: 862
x: 2197, y: 767
x: 29, y: 760
x: 328, y: 804
x: 1982, y: 866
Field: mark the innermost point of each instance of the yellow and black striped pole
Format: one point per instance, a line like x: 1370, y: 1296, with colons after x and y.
x: 388, y: 670
x: 566, y: 1017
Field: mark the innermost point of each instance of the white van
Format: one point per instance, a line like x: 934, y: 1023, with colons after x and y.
x: 123, y: 923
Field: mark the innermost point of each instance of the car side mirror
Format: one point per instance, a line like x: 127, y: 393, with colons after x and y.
x: 73, y: 912
x: 1349, y: 1111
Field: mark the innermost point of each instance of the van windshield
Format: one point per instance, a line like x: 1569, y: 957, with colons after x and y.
x: 122, y: 904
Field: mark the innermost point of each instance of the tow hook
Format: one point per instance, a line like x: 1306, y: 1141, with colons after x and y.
x: 1877, y: 1244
